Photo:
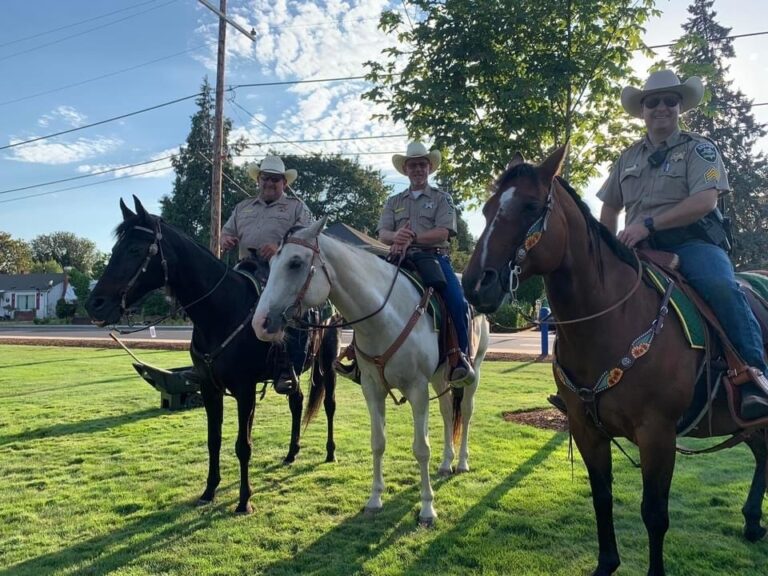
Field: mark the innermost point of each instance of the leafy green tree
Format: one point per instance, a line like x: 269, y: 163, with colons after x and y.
x: 726, y: 117
x: 486, y: 78
x: 341, y: 189
x: 188, y: 207
x: 102, y: 259
x: 47, y: 267
x: 15, y: 255
x: 80, y: 283
x: 65, y: 248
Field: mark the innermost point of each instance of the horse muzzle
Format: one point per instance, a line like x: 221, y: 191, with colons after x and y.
x: 485, y: 293
x: 103, y: 311
x: 269, y: 327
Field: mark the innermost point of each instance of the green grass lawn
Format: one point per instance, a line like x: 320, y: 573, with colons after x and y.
x: 96, y: 479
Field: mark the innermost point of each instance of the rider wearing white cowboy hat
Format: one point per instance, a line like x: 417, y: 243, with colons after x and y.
x: 257, y: 226
x: 669, y: 183
x: 422, y: 218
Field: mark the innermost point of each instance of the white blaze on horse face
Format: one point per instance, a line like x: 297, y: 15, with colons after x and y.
x: 504, y: 202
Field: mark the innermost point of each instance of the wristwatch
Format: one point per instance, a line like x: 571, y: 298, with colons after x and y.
x: 648, y: 223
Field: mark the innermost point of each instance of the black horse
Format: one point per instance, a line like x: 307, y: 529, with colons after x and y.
x: 150, y: 254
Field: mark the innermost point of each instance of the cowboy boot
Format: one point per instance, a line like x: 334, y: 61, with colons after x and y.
x: 557, y: 401
x: 463, y: 374
x: 754, y: 396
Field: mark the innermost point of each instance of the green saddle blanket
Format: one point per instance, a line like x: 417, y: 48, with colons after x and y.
x: 757, y: 282
x: 690, y: 319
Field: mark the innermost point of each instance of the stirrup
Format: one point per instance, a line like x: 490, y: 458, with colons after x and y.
x: 286, y: 382
x: 557, y: 401
x: 463, y: 374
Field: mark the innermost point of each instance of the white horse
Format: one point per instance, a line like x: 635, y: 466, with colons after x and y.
x: 309, y: 268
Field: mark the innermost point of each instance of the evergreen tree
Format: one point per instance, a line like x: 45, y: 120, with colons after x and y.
x: 188, y: 207
x: 725, y: 116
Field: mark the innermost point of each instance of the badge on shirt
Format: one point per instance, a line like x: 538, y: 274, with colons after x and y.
x: 676, y: 156
x: 429, y: 206
x: 711, y: 175
x: 707, y: 152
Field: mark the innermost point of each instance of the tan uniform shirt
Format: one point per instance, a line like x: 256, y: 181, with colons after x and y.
x: 693, y: 165
x: 256, y: 223
x: 432, y: 209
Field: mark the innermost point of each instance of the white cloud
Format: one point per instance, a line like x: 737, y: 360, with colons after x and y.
x: 66, y: 115
x: 160, y: 169
x: 46, y: 152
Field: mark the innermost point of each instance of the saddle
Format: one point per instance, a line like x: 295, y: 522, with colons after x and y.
x: 448, y: 342
x: 726, y: 366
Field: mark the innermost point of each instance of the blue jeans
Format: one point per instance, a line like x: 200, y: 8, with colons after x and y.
x: 455, y: 303
x: 709, y: 270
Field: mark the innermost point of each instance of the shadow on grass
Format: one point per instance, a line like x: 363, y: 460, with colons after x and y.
x: 442, y: 546
x: 106, y: 553
x: 81, y: 427
x: 347, y: 548
x: 34, y: 391
x: 521, y: 366
x: 80, y: 358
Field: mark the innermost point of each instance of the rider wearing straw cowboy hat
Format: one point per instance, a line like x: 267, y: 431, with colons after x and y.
x: 422, y: 218
x: 257, y: 226
x: 669, y: 183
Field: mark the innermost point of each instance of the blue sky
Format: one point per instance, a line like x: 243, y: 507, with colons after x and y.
x: 66, y: 64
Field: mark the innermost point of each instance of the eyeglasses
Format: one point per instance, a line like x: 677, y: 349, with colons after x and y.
x: 653, y: 101
x: 271, y: 177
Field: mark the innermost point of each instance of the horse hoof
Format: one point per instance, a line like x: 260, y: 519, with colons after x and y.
x: 462, y: 470
x: 754, y: 534
x: 371, y: 512
x: 426, y: 522
x: 445, y: 472
x: 288, y: 461
x: 244, y: 510
x: 330, y: 458
x: 203, y: 502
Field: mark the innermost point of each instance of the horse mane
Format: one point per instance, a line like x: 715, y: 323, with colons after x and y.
x: 595, y: 229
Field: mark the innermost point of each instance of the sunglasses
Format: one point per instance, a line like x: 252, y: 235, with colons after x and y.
x: 271, y: 178
x: 653, y: 101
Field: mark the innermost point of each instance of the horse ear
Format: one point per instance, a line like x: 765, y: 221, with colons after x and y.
x: 315, y: 228
x: 553, y: 164
x: 140, y: 211
x: 517, y: 159
x: 126, y: 211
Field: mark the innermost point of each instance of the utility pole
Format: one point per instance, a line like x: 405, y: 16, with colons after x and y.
x: 218, y: 128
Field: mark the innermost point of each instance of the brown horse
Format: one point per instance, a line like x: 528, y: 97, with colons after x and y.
x: 537, y: 225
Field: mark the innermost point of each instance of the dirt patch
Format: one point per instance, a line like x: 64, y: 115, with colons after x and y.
x: 544, y: 418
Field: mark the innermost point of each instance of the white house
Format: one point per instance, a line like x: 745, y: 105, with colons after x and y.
x: 30, y: 296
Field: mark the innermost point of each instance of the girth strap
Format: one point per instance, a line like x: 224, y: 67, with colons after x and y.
x: 381, y: 361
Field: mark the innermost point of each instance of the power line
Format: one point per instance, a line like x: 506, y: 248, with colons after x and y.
x: 52, y: 30
x: 288, y: 82
x: 35, y: 48
x: 107, y: 75
x: 713, y: 39
x: 316, y: 140
x: 267, y: 126
x: 99, y: 173
x: 84, y: 185
x: 177, y: 100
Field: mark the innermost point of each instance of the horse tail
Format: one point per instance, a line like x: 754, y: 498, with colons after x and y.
x: 322, y: 373
x: 458, y: 396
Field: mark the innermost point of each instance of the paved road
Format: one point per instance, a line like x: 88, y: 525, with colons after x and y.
x: 528, y: 342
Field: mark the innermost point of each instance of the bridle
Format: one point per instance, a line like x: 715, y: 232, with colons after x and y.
x: 532, y: 238
x: 293, y: 311
x: 155, y: 248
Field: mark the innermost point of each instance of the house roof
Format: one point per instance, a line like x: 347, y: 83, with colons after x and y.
x: 350, y: 235
x: 21, y: 282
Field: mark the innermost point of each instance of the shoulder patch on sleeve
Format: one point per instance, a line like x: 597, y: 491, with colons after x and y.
x: 707, y: 151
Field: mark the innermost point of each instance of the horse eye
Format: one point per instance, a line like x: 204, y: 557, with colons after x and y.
x: 295, y: 263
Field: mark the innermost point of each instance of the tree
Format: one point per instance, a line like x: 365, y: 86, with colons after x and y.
x: 81, y: 284
x: 486, y: 78
x: 66, y: 249
x: 726, y: 117
x: 340, y: 189
x: 102, y: 259
x: 15, y: 255
x: 47, y: 267
x: 188, y: 207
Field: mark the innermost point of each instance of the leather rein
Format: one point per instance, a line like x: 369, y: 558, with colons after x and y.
x: 532, y: 238
x: 381, y: 360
